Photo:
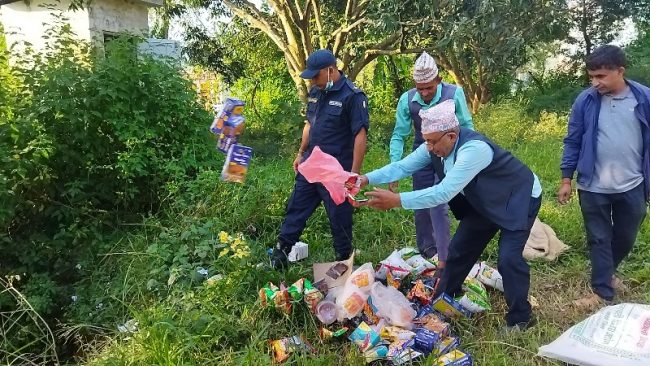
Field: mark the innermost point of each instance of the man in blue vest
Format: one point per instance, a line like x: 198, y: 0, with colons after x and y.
x: 487, y: 189
x: 337, y: 122
x: 432, y: 226
x: 608, y: 144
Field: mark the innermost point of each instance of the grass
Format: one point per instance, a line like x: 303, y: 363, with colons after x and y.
x: 190, y: 322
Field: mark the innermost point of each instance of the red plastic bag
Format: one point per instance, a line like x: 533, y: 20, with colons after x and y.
x: 323, y: 168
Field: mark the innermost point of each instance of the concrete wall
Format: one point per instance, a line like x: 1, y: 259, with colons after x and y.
x: 113, y: 16
x: 24, y: 22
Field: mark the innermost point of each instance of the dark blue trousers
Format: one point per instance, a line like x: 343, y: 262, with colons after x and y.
x: 432, y: 225
x: 471, y: 238
x: 304, y: 199
x: 612, y: 222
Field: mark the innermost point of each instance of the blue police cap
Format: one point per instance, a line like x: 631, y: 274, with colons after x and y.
x: 316, y: 62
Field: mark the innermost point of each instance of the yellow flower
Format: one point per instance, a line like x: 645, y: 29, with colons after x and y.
x: 223, y: 252
x: 223, y: 237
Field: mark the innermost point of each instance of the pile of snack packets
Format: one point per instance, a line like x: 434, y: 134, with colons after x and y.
x: 228, y: 125
x: 389, y: 313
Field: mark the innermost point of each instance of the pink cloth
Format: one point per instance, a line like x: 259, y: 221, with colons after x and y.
x: 323, y: 168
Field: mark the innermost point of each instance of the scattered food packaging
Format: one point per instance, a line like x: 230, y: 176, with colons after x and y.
x: 312, y: 295
x: 376, y: 353
x: 267, y: 294
x: 282, y: 300
x: 393, y: 334
x: 364, y: 337
x: 448, y: 344
x: 370, y: 312
x: 296, y: 289
x: 337, y: 270
x: 298, y: 252
x: 228, y: 124
x: 236, y: 165
x: 433, y: 322
x: 488, y: 276
x: 282, y: 348
x: 426, y: 340
x: 420, y: 292
x: 449, y: 307
x: 474, y: 303
x: 327, y: 334
x: 455, y: 358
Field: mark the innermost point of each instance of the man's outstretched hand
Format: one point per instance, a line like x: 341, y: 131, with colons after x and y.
x: 381, y: 199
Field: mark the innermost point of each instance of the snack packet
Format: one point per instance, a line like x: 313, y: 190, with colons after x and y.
x: 282, y: 300
x: 282, y: 348
x: 426, y: 340
x: 455, y: 358
x: 268, y: 293
x: 364, y: 337
x: 296, y: 289
x: 449, y: 307
x: 312, y: 295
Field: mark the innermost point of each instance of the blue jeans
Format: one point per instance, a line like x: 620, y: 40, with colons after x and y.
x: 472, y: 236
x: 432, y: 225
x: 304, y: 199
x: 612, y: 222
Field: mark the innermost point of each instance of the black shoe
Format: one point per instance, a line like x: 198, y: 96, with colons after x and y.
x: 519, y: 327
x: 279, y: 260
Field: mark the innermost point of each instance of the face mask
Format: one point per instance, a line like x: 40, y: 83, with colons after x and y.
x: 330, y: 83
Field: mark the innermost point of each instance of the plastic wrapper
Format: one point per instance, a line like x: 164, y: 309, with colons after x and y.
x: 282, y: 348
x: 474, y: 285
x: 267, y: 294
x: 323, y: 168
x: 364, y: 337
x: 420, y: 264
x: 395, y: 264
x: 488, y: 276
x: 363, y: 277
x: 351, y: 302
x: 327, y: 334
x: 370, y: 312
x: 392, y: 305
x: 296, y: 289
x: 433, y: 322
x: 454, y: 358
x: 426, y: 340
x: 420, y: 292
x: 312, y: 295
x: 407, y: 356
x: 394, y: 281
x: 282, y: 300
x: 449, y: 307
x: 474, y: 303
x: 376, y: 353
x: 393, y: 334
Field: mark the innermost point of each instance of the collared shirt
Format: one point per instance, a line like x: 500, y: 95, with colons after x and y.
x: 619, y: 151
x: 473, y: 157
x: 403, y: 120
x: 336, y: 116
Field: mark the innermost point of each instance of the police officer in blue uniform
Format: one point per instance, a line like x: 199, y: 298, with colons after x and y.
x: 337, y: 122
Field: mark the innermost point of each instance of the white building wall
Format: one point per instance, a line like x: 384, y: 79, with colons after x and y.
x: 23, y: 22
x: 114, y: 16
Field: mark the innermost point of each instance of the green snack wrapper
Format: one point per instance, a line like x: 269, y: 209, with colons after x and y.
x: 267, y: 294
x: 312, y: 295
x: 474, y: 285
x: 296, y: 289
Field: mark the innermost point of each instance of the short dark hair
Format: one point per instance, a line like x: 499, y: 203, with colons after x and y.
x: 606, y: 57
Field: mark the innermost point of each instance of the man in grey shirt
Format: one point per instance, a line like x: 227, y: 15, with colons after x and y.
x: 608, y: 144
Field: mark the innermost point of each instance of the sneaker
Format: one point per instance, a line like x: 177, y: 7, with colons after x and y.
x: 279, y: 259
x: 519, y: 327
x: 591, y: 301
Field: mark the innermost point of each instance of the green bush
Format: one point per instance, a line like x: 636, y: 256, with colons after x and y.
x: 87, y: 142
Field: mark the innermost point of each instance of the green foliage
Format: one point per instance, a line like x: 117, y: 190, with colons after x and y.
x: 638, y: 54
x: 550, y: 92
x: 90, y: 141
